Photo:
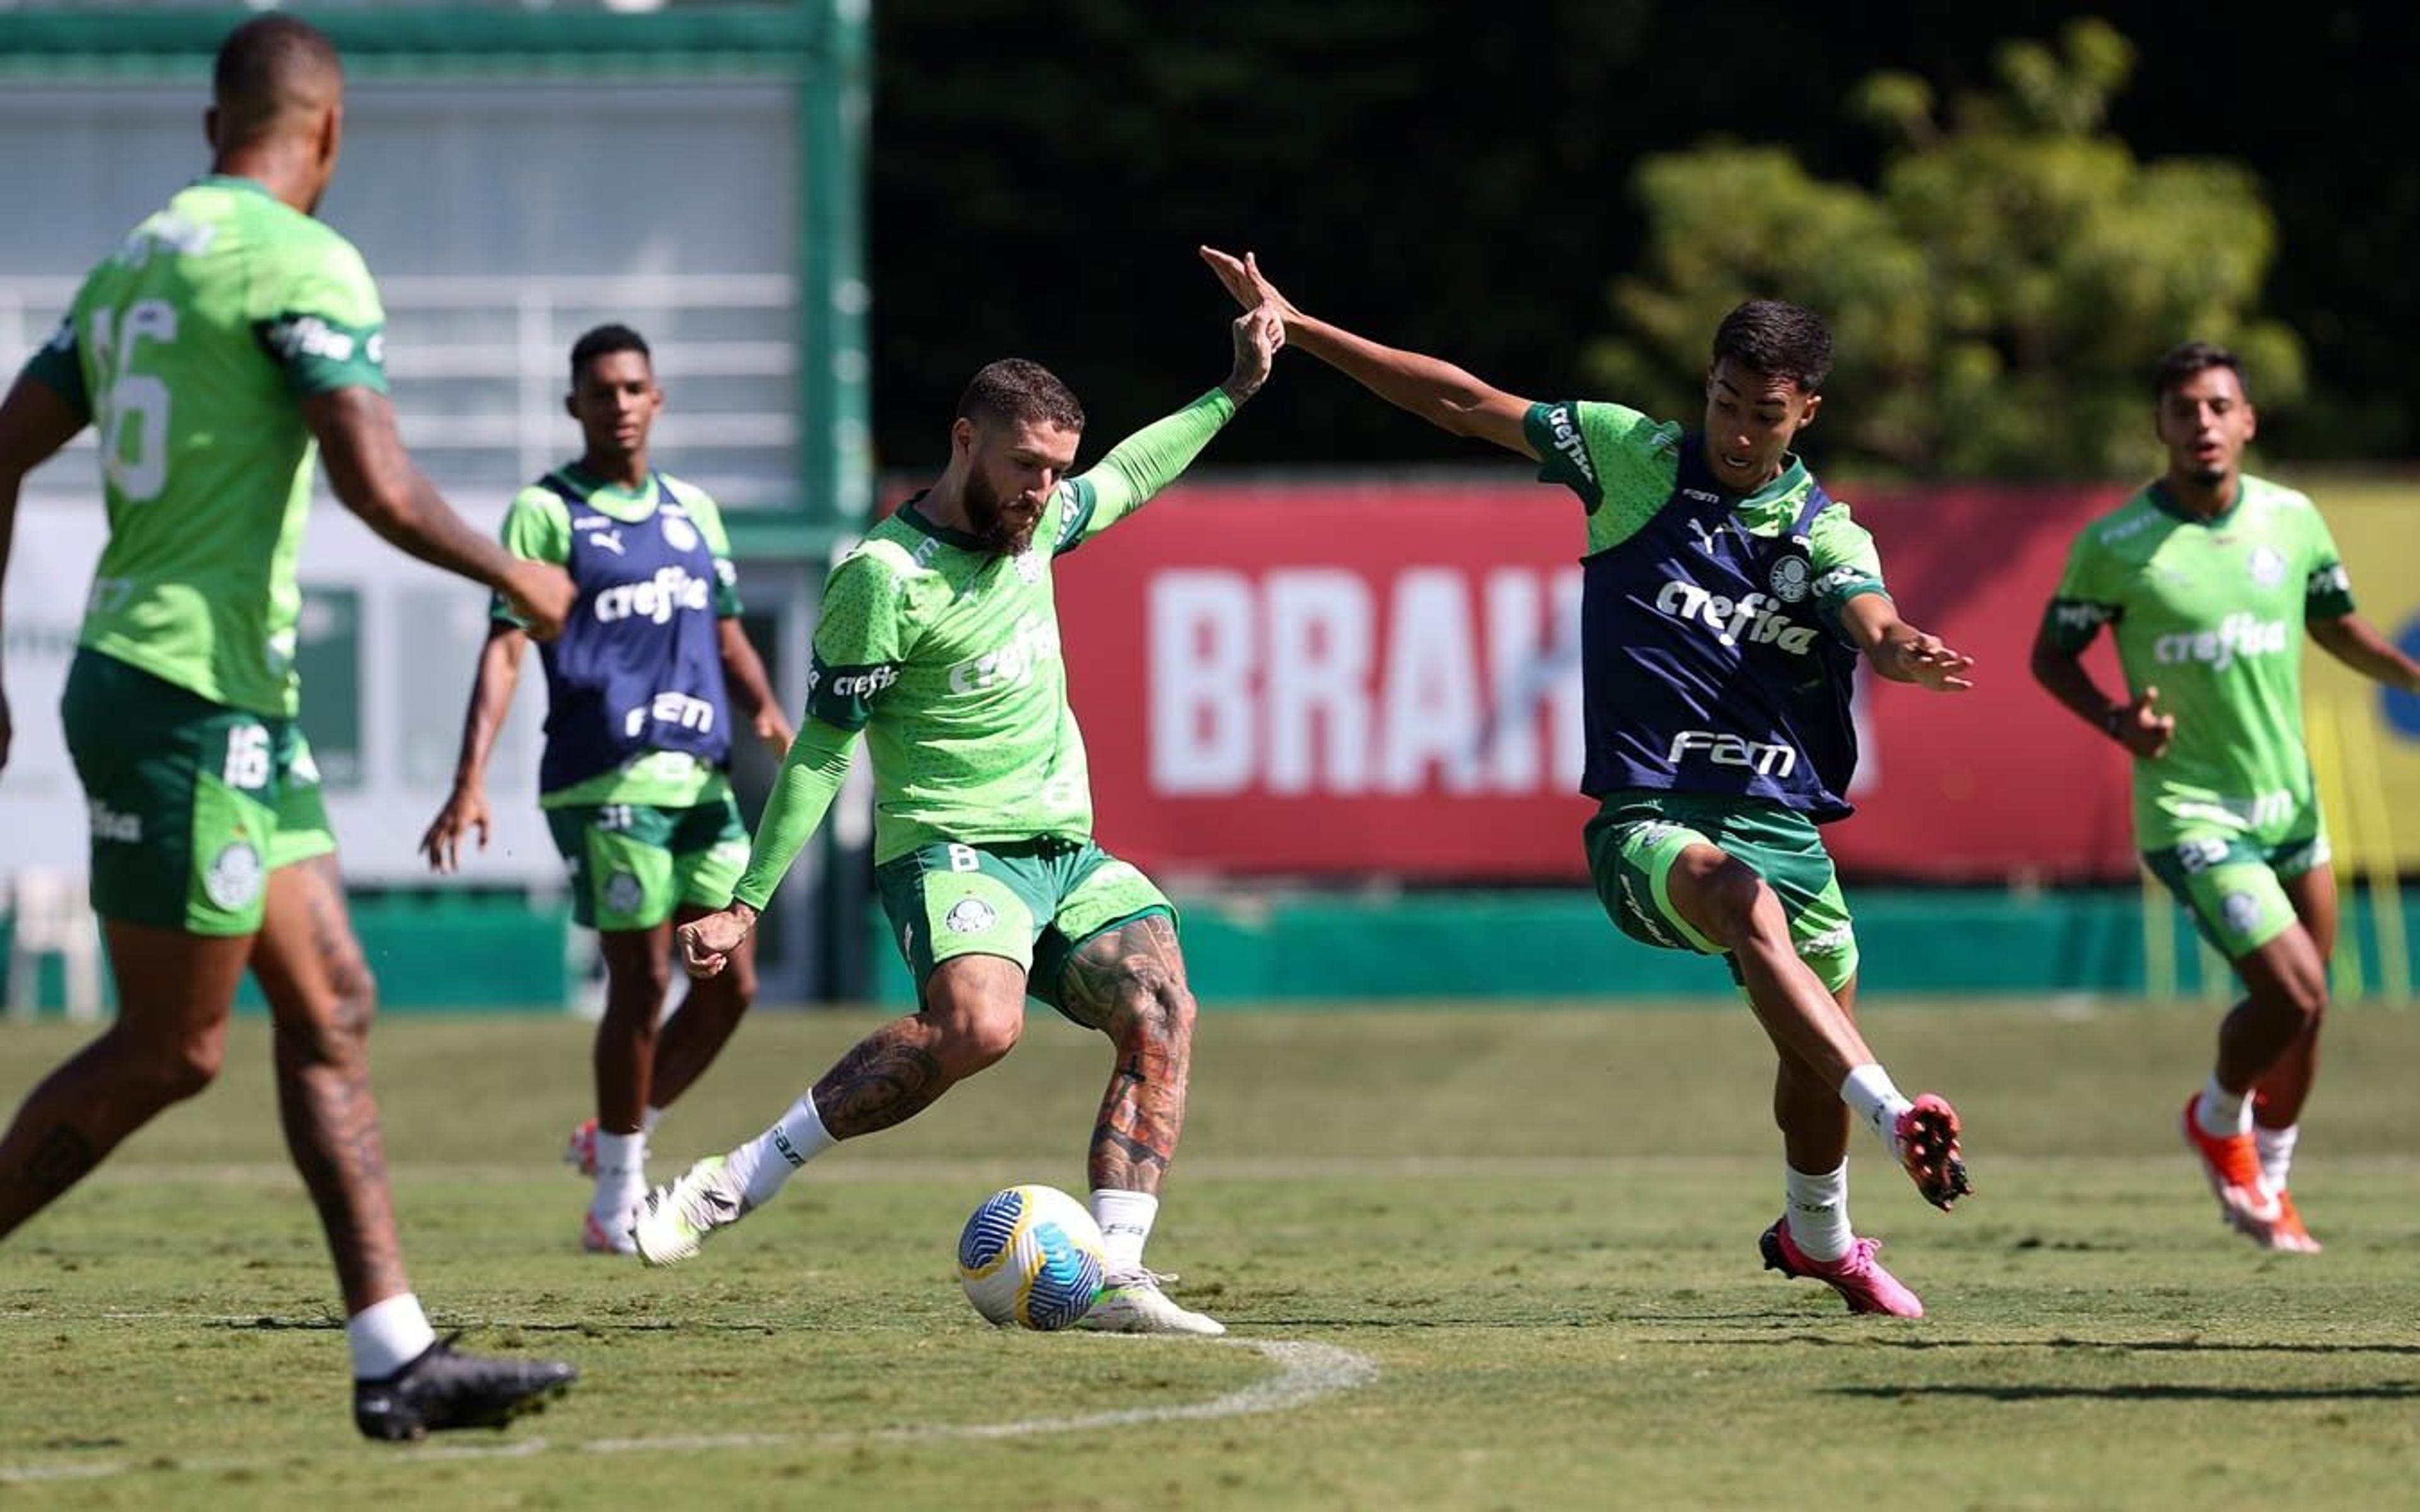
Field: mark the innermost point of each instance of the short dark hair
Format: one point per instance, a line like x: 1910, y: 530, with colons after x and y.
x: 2182, y: 364
x: 604, y: 342
x: 1777, y: 339
x: 1021, y: 392
x: 267, y: 65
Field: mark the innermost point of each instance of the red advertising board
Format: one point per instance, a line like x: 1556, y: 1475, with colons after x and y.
x: 1380, y: 679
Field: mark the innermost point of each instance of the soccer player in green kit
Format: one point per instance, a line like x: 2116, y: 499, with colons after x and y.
x: 939, y: 639
x: 639, y: 692
x: 223, y: 337
x: 2207, y: 578
x: 1725, y: 603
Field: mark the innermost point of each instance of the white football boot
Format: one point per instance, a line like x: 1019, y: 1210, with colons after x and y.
x: 675, y: 1219
x: 1131, y: 1302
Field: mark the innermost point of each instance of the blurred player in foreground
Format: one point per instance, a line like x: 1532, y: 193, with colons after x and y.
x: 2208, y: 578
x: 222, y: 337
x: 638, y: 745
x: 938, y: 638
x: 1725, y: 602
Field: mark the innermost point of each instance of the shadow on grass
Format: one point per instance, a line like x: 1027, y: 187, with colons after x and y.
x: 2392, y: 1392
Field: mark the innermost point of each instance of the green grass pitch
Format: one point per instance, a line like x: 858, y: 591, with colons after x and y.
x: 1470, y: 1259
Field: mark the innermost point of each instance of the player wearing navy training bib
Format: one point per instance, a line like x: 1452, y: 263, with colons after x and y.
x: 2207, y: 578
x: 1727, y: 600
x: 638, y: 740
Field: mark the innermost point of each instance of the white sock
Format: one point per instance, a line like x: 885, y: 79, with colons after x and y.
x: 1126, y: 1219
x: 2223, y: 1114
x: 1877, y: 1104
x: 2276, y: 1147
x: 621, y: 1176
x: 387, y: 1335
x: 647, y: 1121
x: 762, y: 1164
x: 1819, y: 1210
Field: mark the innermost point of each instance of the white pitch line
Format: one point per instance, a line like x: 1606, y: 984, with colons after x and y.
x: 1308, y: 1372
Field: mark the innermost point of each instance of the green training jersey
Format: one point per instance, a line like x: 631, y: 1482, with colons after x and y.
x: 537, y: 527
x: 190, y: 347
x: 946, y: 655
x: 2210, y: 612
x: 1624, y: 468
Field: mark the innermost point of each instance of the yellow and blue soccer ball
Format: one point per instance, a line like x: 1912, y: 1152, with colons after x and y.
x: 1031, y: 1256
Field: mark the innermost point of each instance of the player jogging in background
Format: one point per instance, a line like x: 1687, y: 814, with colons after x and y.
x: 638, y: 743
x: 2207, y: 578
x: 213, y: 345
x: 1725, y: 603
x: 938, y: 638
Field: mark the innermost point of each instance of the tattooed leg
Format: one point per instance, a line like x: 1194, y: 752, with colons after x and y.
x: 322, y: 998
x: 975, y: 1009
x: 1130, y: 983
x: 174, y: 993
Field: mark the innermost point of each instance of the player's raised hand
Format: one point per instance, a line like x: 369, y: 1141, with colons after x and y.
x: 1247, y: 282
x: 2141, y: 728
x: 465, y: 811
x: 540, y: 596
x: 1931, y: 664
x: 707, y: 944
x: 1259, y: 332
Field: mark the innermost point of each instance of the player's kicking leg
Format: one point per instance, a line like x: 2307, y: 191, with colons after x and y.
x: 974, y: 1013
x: 321, y: 999
x: 1129, y: 981
x: 1727, y: 904
x: 1812, y: 1237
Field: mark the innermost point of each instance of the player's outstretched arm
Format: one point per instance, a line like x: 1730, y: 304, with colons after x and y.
x: 2057, y: 665
x: 376, y: 478
x: 1149, y: 460
x: 465, y: 811
x: 2355, y: 641
x: 1436, y: 391
x: 1900, y: 652
x: 36, y: 420
x: 810, y: 777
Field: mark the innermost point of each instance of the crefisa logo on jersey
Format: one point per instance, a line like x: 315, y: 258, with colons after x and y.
x: 2268, y: 566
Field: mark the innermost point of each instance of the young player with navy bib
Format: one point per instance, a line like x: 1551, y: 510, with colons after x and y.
x: 639, y: 732
x: 2208, y: 579
x: 1726, y: 601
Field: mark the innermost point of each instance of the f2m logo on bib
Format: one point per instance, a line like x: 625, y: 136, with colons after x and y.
x: 1765, y: 758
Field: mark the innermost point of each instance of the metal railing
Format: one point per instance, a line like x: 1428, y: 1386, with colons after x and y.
x: 479, y: 365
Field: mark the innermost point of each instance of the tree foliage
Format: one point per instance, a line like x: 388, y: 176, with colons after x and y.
x: 1997, y: 296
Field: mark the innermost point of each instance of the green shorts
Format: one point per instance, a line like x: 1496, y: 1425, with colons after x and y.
x: 1635, y: 836
x: 2234, y: 886
x: 633, y: 863
x: 192, y: 804
x: 1035, y: 901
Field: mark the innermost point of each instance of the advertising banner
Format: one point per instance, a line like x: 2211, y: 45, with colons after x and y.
x: 1381, y: 680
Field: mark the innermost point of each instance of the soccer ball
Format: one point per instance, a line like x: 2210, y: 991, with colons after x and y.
x: 1031, y: 1256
